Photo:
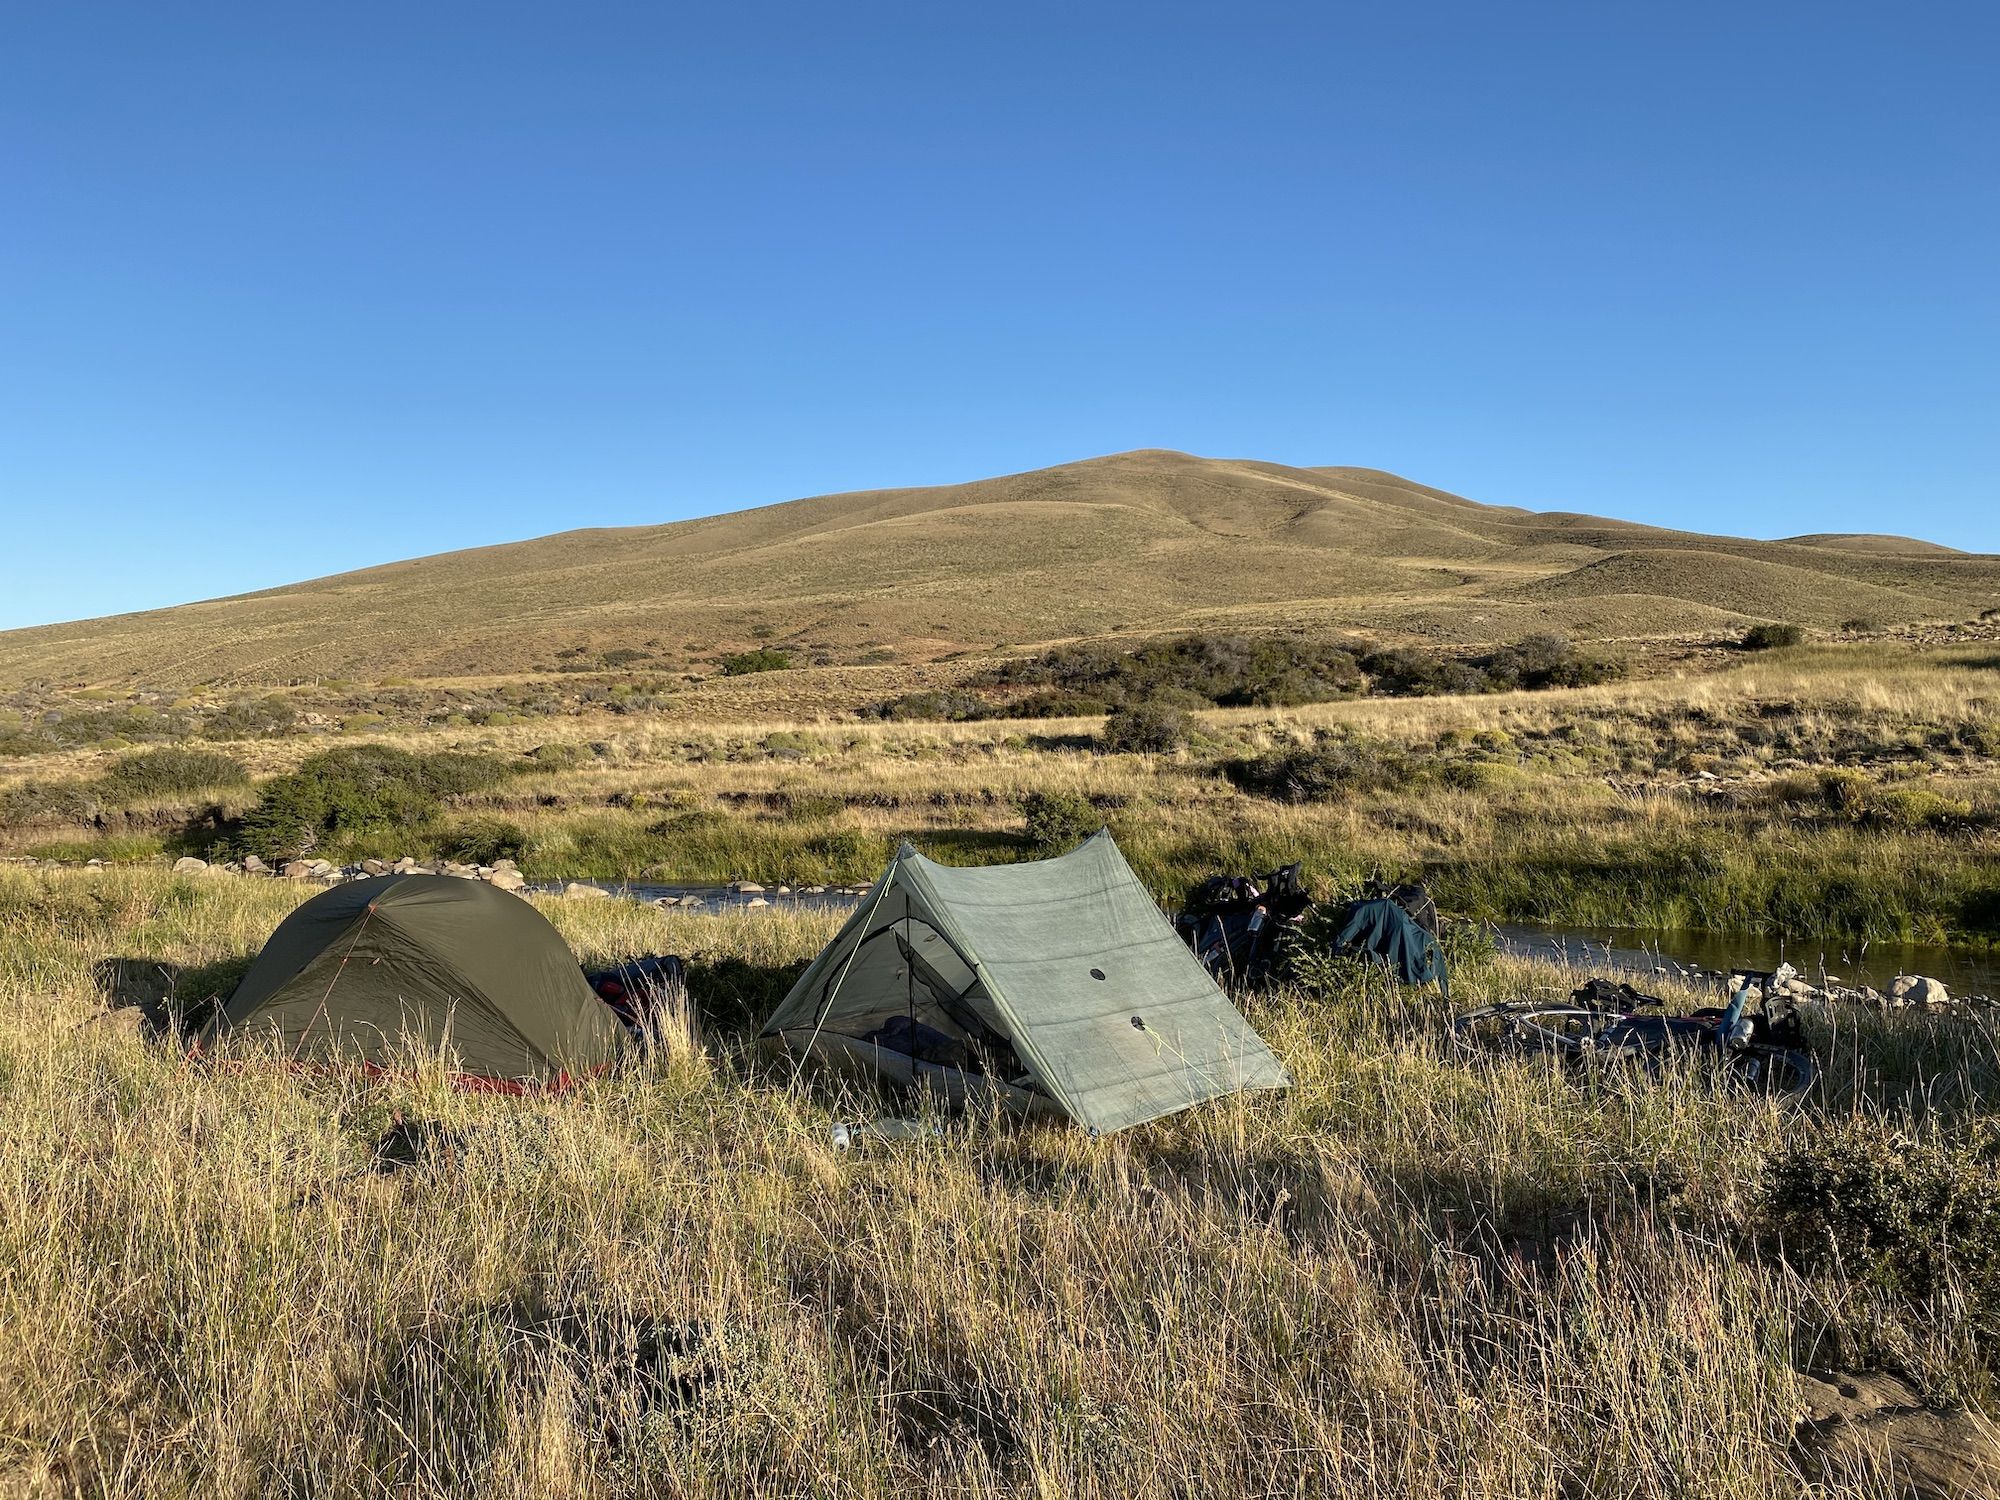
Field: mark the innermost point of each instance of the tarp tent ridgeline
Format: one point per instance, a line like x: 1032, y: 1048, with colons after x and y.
x: 1061, y: 977
x: 456, y: 966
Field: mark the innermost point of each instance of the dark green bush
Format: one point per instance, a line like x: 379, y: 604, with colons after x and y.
x: 176, y: 768
x: 1145, y: 728
x: 1912, y: 1215
x: 250, y: 719
x: 763, y: 659
x: 936, y: 706
x: 35, y: 802
x: 1059, y: 820
x: 1768, y: 637
x: 356, y: 790
x: 483, y: 841
x: 1544, y: 661
x: 1319, y: 772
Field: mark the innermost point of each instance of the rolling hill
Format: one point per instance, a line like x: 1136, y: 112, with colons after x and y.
x: 1138, y: 541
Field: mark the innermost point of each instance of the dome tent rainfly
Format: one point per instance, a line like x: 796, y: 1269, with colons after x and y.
x: 364, y: 970
x: 1054, y: 986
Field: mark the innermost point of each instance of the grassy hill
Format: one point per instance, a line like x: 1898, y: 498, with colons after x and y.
x: 1132, y: 542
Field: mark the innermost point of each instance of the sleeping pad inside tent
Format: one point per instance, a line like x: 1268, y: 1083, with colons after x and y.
x: 1051, y: 987
x: 461, y: 969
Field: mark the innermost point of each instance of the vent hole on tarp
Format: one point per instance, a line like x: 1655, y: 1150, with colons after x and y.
x: 1096, y: 973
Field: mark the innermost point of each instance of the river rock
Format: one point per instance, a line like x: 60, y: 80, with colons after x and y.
x: 187, y: 864
x: 576, y: 890
x: 403, y: 866
x: 756, y: 901
x: 747, y: 888
x: 508, y: 880
x: 1915, y: 989
x: 374, y: 867
x: 297, y: 869
x: 252, y: 865
x: 1877, y: 1424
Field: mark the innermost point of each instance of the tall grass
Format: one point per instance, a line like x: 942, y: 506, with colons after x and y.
x: 1407, y: 1276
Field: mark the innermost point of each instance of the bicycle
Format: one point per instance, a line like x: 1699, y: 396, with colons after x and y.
x: 1763, y: 1051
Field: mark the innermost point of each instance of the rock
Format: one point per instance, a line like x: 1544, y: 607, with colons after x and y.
x: 252, y: 865
x: 692, y: 901
x: 1876, y: 1424
x: 756, y: 901
x: 508, y: 880
x: 296, y: 869
x: 187, y: 864
x: 125, y: 1020
x: 403, y: 866
x: 505, y: 864
x: 374, y: 867
x: 784, y: 890
x: 577, y: 891
x: 321, y: 866
x: 747, y: 888
x: 1915, y: 989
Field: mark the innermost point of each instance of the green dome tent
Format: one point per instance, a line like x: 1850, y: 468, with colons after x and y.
x: 1051, y: 987
x: 366, y: 969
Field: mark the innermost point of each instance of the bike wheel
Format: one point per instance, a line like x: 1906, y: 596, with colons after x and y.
x: 1775, y: 1072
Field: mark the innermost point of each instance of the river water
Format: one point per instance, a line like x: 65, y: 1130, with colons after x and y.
x: 1629, y: 950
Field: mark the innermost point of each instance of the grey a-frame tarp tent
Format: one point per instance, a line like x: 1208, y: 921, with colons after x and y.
x: 1060, y: 976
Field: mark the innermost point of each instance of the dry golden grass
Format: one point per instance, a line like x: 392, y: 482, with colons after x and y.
x: 1407, y: 1277
x: 1146, y: 541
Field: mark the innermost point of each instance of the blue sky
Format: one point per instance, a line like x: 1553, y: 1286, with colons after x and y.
x: 291, y: 289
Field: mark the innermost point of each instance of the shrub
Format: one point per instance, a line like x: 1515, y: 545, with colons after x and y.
x: 48, y: 802
x: 1058, y: 820
x: 1911, y: 1215
x: 1405, y: 672
x: 810, y: 806
x: 1319, y: 772
x: 1145, y: 728
x: 622, y: 656
x: 356, y: 790
x: 1910, y: 808
x: 937, y: 705
x: 1260, y: 671
x: 250, y: 719
x: 763, y: 659
x: 483, y: 841
x: 1544, y: 661
x: 1768, y: 637
x: 171, y: 769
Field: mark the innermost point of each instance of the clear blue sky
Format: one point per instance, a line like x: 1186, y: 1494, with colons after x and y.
x: 289, y: 289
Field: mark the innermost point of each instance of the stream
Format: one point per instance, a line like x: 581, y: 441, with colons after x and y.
x: 1636, y: 951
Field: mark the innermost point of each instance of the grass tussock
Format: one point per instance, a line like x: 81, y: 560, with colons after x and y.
x: 1408, y: 1276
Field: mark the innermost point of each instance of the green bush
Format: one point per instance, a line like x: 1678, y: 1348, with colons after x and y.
x: 35, y: 802
x: 1910, y: 808
x: 1145, y: 729
x: 483, y: 841
x: 1768, y: 637
x: 1056, y: 821
x: 763, y: 659
x: 250, y: 719
x: 359, y: 790
x: 176, y: 768
x: 938, y: 706
x: 1544, y: 661
x: 1319, y: 772
x: 1914, y: 1216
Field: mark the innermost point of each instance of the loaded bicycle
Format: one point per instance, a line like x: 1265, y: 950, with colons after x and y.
x: 1605, y: 1025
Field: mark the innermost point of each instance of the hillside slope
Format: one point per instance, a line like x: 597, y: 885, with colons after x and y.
x: 1136, y: 541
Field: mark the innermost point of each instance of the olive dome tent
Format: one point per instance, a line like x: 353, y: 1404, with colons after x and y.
x: 459, y: 968
x: 1054, y: 986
